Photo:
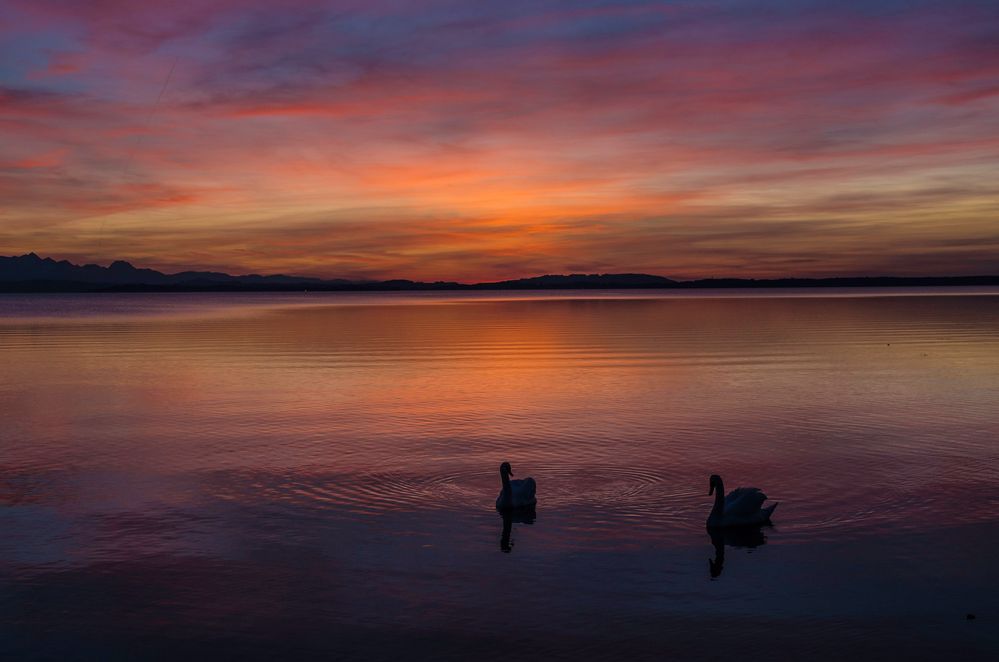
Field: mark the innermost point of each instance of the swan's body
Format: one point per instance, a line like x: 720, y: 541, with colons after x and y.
x: 742, y: 506
x: 515, y: 494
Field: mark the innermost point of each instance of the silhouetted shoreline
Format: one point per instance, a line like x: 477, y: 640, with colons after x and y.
x: 33, y: 274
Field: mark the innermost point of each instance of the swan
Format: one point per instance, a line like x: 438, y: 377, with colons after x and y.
x: 515, y: 493
x: 742, y: 506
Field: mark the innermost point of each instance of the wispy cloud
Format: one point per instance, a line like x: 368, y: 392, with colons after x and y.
x: 480, y: 140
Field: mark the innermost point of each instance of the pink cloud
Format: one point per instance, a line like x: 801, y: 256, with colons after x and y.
x: 538, y: 125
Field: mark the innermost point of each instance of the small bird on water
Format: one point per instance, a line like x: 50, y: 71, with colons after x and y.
x: 742, y: 507
x: 515, y: 494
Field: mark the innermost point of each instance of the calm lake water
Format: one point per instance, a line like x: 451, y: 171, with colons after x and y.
x: 314, y: 475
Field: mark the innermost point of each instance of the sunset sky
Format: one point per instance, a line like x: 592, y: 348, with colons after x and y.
x: 487, y: 140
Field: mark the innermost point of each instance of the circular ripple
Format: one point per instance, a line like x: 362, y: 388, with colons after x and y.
x: 377, y: 492
x: 620, y: 492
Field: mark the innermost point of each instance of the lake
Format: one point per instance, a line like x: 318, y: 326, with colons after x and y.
x: 312, y: 475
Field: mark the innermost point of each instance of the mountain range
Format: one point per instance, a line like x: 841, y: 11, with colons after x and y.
x: 31, y: 273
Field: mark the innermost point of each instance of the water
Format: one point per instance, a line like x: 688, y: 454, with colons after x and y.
x: 313, y: 475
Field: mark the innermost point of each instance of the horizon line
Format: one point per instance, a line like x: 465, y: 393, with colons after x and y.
x: 467, y: 283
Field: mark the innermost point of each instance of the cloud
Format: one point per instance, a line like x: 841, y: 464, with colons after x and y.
x: 482, y: 140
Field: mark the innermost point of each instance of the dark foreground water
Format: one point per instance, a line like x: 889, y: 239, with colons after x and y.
x: 314, y: 475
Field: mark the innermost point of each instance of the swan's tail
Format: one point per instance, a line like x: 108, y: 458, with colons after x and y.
x: 769, y: 510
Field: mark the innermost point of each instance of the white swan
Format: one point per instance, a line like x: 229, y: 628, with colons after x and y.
x: 515, y: 493
x: 742, y: 506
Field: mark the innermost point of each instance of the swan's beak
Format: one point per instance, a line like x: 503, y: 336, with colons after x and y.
x: 510, y: 472
x: 711, y: 489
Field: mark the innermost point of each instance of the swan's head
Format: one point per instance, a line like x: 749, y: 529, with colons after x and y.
x: 714, y: 484
x: 505, y: 469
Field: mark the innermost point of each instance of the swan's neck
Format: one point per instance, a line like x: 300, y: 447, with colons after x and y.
x: 718, y: 511
x: 506, y: 485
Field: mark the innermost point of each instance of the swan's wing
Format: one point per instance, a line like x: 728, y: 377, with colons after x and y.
x: 743, y: 501
x: 524, y: 489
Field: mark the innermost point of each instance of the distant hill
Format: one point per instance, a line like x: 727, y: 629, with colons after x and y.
x: 580, y: 282
x: 31, y: 273
x: 31, y: 268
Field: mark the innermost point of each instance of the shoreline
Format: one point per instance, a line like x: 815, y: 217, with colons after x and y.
x: 597, y: 283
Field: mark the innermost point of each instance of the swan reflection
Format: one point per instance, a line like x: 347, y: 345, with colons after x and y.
x: 523, y: 516
x: 738, y: 536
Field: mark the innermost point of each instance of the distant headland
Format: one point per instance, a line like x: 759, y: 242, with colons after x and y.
x: 31, y: 273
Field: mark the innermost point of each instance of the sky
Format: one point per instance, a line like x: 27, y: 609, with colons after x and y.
x: 488, y: 140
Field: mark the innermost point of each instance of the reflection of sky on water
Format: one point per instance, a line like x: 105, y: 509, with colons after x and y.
x: 262, y: 578
x: 325, y: 476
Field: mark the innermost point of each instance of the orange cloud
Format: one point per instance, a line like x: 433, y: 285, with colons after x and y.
x: 479, y: 142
